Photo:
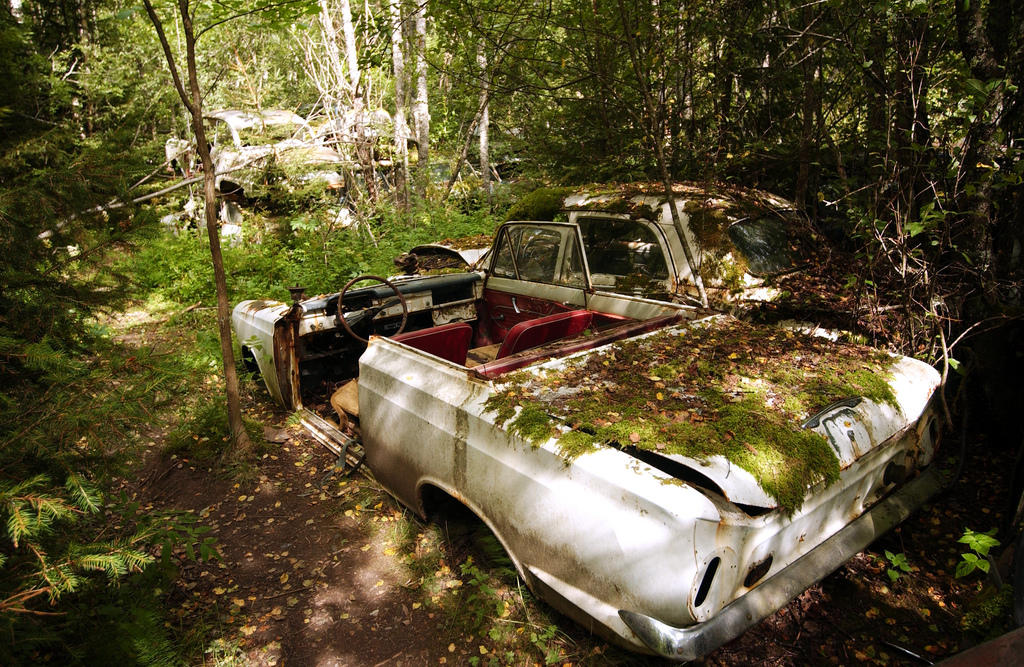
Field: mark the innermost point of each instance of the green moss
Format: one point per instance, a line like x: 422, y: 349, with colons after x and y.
x: 574, y: 444
x: 502, y: 404
x: 617, y: 205
x: 541, y: 204
x: 533, y: 424
x: 726, y: 389
x: 987, y: 613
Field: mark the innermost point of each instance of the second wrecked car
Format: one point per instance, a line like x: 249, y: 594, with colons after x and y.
x: 663, y: 475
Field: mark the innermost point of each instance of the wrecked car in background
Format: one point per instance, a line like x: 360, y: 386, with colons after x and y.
x: 664, y: 475
x: 243, y: 143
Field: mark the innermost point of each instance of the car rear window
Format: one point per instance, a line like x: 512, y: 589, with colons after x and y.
x: 622, y: 247
x: 764, y: 243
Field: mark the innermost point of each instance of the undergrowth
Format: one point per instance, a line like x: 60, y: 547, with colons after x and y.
x: 76, y: 561
x: 298, y: 249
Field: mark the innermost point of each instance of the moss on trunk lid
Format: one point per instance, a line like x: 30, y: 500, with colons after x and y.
x: 722, y: 387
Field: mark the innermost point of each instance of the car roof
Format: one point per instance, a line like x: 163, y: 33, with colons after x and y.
x: 641, y: 199
x: 238, y: 119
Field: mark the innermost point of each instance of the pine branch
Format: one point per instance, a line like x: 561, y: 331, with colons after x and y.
x: 85, y: 497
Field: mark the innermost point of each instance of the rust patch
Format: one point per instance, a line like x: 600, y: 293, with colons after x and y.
x: 259, y: 304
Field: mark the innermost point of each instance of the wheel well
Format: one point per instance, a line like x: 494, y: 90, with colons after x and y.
x: 436, y: 502
x: 231, y: 190
x: 249, y: 360
x: 464, y: 529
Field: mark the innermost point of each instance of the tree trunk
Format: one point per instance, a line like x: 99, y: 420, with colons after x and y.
x: 364, y: 145
x: 193, y: 101
x: 351, y: 56
x: 464, y: 151
x: 421, y: 110
x: 401, y: 161
x: 331, y: 43
x: 982, y: 138
x: 653, y: 120
x: 912, y: 131
x: 485, y: 121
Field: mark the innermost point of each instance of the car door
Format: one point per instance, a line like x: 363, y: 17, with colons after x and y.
x: 536, y: 269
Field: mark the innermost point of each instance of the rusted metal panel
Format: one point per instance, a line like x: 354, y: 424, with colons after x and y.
x: 286, y: 355
x: 328, y: 435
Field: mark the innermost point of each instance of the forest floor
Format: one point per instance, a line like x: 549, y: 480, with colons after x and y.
x: 321, y: 568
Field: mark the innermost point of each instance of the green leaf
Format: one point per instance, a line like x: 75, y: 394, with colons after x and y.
x: 914, y: 228
x: 963, y: 569
x: 979, y: 543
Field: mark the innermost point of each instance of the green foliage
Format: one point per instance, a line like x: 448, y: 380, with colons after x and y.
x: 481, y: 598
x: 541, y: 204
x: 898, y: 565
x: 309, y: 250
x: 988, y: 615
x: 203, y: 432
x: 977, y: 558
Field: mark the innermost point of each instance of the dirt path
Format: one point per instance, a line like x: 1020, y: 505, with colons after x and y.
x: 306, y: 577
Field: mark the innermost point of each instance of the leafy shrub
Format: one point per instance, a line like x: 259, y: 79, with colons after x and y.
x: 898, y: 565
x: 977, y: 558
x: 204, y: 432
x: 314, y: 254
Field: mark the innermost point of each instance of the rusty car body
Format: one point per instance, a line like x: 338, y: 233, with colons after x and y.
x: 661, y: 549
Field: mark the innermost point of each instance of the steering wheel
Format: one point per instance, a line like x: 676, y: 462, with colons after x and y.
x: 371, y: 312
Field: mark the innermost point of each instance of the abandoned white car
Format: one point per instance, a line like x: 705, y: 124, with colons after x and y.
x: 663, y: 475
x: 242, y: 143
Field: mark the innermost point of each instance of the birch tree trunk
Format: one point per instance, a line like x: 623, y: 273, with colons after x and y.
x: 401, y: 127
x: 485, y: 122
x: 330, y: 40
x: 421, y: 110
x: 351, y: 56
x: 364, y: 145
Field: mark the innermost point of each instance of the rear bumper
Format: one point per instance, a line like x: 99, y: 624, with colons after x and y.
x: 695, y: 641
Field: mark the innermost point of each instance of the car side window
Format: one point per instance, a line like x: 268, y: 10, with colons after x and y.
x: 538, y: 254
x: 571, y: 273
x: 618, y: 247
x: 533, y: 253
x: 504, y: 265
